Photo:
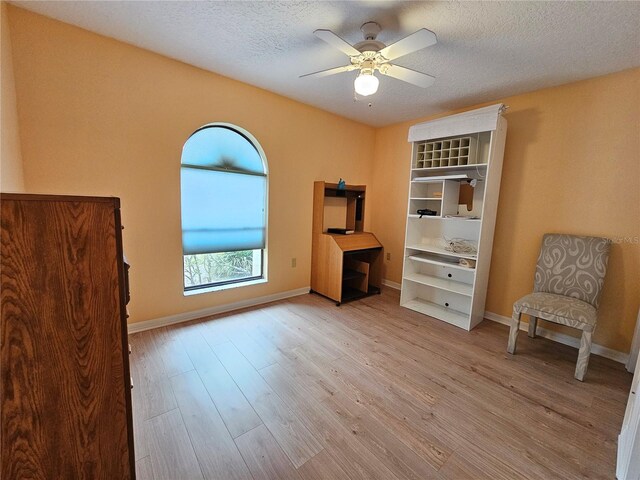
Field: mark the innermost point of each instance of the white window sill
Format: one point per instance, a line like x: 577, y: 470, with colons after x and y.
x: 217, y: 288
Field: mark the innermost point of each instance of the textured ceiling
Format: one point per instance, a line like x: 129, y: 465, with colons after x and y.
x: 485, y: 50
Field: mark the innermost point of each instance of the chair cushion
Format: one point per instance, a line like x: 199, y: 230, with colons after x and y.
x: 573, y: 266
x: 559, y: 309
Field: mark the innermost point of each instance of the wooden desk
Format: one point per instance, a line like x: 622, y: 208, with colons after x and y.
x: 344, y: 267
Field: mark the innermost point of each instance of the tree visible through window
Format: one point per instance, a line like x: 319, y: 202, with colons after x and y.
x: 224, y: 193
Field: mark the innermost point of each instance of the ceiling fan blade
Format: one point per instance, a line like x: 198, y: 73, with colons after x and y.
x: 423, y: 38
x: 407, y: 75
x: 330, y: 71
x: 333, y: 39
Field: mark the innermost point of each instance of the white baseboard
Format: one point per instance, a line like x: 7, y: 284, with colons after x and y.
x: 250, y: 302
x: 390, y: 284
x: 206, y: 312
x: 563, y: 338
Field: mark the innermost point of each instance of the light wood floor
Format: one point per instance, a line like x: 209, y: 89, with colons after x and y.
x: 302, y: 389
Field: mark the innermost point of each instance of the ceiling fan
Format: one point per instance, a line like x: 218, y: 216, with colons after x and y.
x: 371, y: 55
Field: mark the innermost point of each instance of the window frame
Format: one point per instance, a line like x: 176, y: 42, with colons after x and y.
x: 227, y: 283
x: 263, y: 278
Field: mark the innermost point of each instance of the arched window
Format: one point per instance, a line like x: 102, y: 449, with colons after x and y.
x: 223, y: 179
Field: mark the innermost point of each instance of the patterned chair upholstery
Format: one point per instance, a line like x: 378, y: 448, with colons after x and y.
x: 569, y: 278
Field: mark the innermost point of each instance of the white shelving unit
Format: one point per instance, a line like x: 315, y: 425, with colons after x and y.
x: 448, y: 152
x: 450, y: 155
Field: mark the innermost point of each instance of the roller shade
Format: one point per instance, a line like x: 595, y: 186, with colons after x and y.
x: 222, y: 211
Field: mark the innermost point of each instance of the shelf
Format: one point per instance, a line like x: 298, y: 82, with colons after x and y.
x: 452, y: 152
x: 441, y: 251
x: 348, y: 274
x: 452, y: 167
x: 437, y: 261
x: 434, y: 310
x: 462, y: 217
x: 351, y: 191
x: 349, y: 293
x: 426, y: 198
x: 440, y: 178
x: 439, y: 217
x: 441, y: 283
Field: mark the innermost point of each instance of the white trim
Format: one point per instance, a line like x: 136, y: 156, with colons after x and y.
x: 635, y: 347
x: 207, y: 312
x: 250, y: 302
x: 563, y: 338
x: 390, y: 284
x: 628, y: 461
x: 479, y: 120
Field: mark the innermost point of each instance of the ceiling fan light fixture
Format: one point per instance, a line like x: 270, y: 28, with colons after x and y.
x: 371, y: 55
x: 366, y: 84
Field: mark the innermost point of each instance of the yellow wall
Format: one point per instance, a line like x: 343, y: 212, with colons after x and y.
x: 572, y: 165
x: 100, y: 117
x: 11, y: 178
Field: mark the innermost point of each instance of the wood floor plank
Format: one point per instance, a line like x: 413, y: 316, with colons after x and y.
x: 545, y: 447
x: 287, y: 358
x: 215, y: 329
x: 294, y: 439
x: 321, y: 385
x: 608, y: 419
x: 140, y: 442
x: 302, y: 329
x: 322, y: 467
x: 505, y: 442
x: 257, y: 354
x: 478, y: 365
x: 151, y: 384
x: 263, y: 455
x: 425, y: 399
x: 412, y: 332
x: 173, y: 354
x: 372, y: 433
x: 216, y: 451
x: 277, y: 333
x: 382, y: 388
x: 417, y: 426
x: 375, y: 404
x: 172, y: 456
x: 342, y: 446
x: 151, y: 394
x: 502, y: 401
x: 143, y: 469
x: 236, y: 412
x: 473, y: 462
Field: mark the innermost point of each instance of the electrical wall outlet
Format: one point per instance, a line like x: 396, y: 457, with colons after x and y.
x: 388, y: 256
x: 293, y: 263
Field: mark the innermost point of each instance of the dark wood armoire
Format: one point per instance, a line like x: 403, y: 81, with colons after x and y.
x: 65, y: 398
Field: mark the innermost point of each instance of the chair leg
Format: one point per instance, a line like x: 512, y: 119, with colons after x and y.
x: 583, y: 356
x: 533, y: 324
x: 513, y: 333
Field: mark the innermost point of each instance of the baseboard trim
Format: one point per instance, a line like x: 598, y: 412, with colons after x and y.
x: 206, y: 312
x: 563, y: 338
x: 390, y: 284
x: 596, y: 349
